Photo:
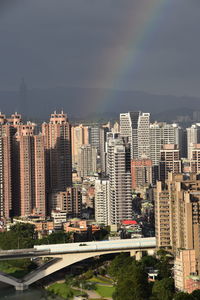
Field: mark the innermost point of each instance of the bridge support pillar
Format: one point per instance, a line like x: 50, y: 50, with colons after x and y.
x: 21, y: 287
x: 138, y: 255
x: 132, y: 253
x: 151, y: 252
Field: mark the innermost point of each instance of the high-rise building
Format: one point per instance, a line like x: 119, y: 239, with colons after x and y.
x: 170, y: 161
x: 24, y: 144
x: 103, y: 141
x: 116, y: 128
x: 135, y: 127
x: 30, y: 153
x: 40, y: 200
x: 5, y: 173
x: 87, y: 163
x: 101, y: 201
x: 144, y: 136
x: 80, y: 136
x: 193, y: 137
x: 94, y: 136
x: 119, y: 172
x: 58, y: 152
x: 195, y: 159
x: 177, y: 213
x: 141, y: 172
x: 126, y: 125
x: 129, y: 130
x: 160, y: 134
x: 9, y: 181
x: 32, y: 165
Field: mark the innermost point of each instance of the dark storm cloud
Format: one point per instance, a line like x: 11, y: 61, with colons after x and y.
x: 71, y: 42
x: 6, y: 5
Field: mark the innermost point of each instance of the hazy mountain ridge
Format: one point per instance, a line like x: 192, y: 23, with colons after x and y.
x: 87, y: 103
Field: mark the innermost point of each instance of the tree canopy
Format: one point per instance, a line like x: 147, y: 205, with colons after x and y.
x: 184, y: 296
x: 131, y: 279
x: 196, y: 294
x: 163, y: 289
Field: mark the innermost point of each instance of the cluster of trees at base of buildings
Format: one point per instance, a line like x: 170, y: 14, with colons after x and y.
x: 131, y: 279
x: 23, y: 236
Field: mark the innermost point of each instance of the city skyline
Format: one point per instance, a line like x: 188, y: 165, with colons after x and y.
x: 100, y: 149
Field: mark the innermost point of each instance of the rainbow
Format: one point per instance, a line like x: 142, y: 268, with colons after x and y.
x: 134, y: 36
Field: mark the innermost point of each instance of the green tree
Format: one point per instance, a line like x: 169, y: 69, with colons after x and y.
x: 165, y: 264
x: 118, y: 265
x: 9, y: 240
x: 196, y: 294
x: 24, y: 230
x: 58, y: 237
x: 149, y: 261
x: 87, y: 275
x: 132, y: 284
x: 163, y: 289
x: 25, y: 234
x: 183, y: 296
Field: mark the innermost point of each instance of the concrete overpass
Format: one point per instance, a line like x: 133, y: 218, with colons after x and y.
x: 64, y: 255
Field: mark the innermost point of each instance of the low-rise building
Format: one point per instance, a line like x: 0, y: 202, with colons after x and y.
x: 58, y: 217
x: 77, y: 225
x: 130, y: 229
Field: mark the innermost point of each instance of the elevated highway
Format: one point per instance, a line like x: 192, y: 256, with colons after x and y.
x: 64, y: 255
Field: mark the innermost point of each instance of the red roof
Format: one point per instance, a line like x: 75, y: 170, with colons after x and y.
x: 129, y: 222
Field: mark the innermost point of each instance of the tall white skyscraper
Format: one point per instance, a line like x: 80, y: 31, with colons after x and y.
x: 119, y: 172
x: 135, y: 127
x: 101, y: 201
x: 193, y: 137
x: 144, y: 136
x: 161, y: 134
x: 102, y: 148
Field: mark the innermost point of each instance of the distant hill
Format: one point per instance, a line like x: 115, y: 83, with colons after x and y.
x: 96, y: 104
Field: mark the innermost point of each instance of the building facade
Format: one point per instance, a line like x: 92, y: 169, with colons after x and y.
x: 161, y: 134
x: 101, y: 201
x: 80, y: 136
x: 170, y: 161
x: 141, y: 172
x: 193, y: 137
x: 119, y: 173
x: 87, y: 161
x: 68, y: 201
x: 58, y: 152
x: 177, y: 213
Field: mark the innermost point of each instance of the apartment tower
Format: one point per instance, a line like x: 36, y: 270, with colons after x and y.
x: 141, y: 172
x: 193, y: 137
x: 170, y: 161
x: 177, y: 213
x: 58, y: 152
x: 80, y: 136
x: 101, y: 201
x: 30, y: 166
x: 119, y: 172
x: 87, y: 161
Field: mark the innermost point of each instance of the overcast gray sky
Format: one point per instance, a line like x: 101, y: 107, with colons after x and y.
x: 147, y: 45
